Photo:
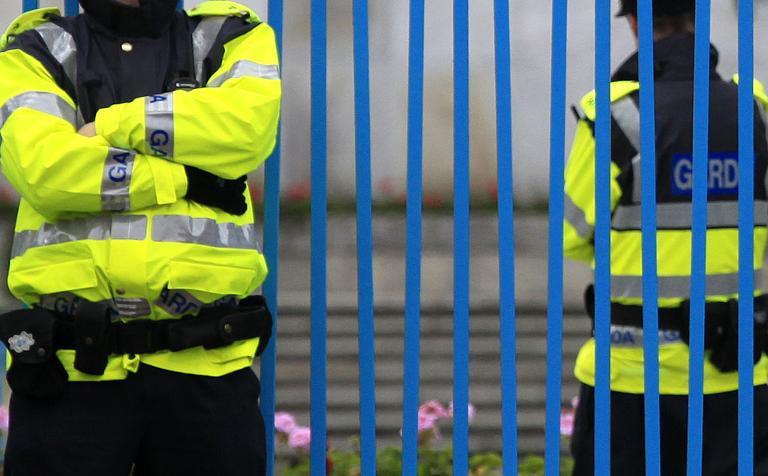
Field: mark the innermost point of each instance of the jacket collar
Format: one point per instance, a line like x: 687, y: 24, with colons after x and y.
x: 150, y: 19
x: 673, y: 59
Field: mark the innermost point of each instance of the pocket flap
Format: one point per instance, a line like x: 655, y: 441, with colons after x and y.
x: 55, y: 277
x: 223, y: 280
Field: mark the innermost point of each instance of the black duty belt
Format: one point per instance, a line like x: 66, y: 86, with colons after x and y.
x: 721, y: 326
x: 32, y: 334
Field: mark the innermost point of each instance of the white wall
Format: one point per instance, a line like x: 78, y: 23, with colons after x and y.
x: 531, y: 30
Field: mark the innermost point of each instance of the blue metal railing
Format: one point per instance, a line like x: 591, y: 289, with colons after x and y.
x: 462, y: 272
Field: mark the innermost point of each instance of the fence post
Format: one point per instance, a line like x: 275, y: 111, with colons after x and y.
x: 746, y: 236
x: 413, y: 238
x: 555, y: 253
x: 319, y: 245
x: 602, y: 403
x: 272, y: 255
x: 698, y: 238
x: 366, y: 332
x: 505, y: 203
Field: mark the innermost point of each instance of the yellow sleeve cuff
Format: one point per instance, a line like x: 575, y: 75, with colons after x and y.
x: 170, y: 181
x: 122, y: 125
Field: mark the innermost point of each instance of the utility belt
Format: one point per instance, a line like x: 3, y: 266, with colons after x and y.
x: 721, y: 326
x: 34, y: 335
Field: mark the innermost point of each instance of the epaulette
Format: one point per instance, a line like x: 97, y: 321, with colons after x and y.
x: 758, y: 91
x: 27, y: 21
x: 218, y: 8
x: 619, y: 89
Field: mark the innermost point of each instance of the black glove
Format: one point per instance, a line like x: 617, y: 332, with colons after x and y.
x: 208, y: 189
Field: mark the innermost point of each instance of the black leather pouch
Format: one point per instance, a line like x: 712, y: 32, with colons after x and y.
x: 35, y: 371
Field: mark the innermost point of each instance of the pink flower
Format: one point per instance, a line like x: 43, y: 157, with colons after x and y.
x: 427, y: 422
x: 471, y: 412
x: 300, y: 438
x: 284, y: 422
x: 433, y: 408
x: 566, y: 422
x: 3, y: 418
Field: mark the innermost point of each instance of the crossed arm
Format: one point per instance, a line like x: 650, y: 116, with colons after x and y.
x: 116, y: 163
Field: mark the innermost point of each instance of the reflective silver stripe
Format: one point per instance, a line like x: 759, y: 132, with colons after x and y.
x: 131, y: 307
x: 678, y: 286
x: 245, y: 68
x: 630, y: 336
x: 47, y: 103
x: 203, y: 39
x: 679, y: 216
x: 62, y: 46
x: 120, y: 227
x: 627, y: 116
x: 637, y: 179
x: 159, y: 124
x: 203, y: 231
x: 116, y: 180
x: 67, y: 302
x: 575, y: 216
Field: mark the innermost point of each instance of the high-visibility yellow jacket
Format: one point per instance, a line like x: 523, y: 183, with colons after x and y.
x: 104, y: 218
x: 674, y: 99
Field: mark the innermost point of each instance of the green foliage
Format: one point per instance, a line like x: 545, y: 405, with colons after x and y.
x: 431, y: 463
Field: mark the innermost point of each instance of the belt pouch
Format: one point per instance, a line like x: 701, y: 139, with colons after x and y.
x: 724, y: 349
x: 35, y: 370
x: 92, y: 324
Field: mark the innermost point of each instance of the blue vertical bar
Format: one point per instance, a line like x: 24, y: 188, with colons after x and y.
x: 71, y: 8
x: 319, y: 230
x: 698, y: 238
x: 603, y: 238
x: 366, y: 329
x: 460, y: 237
x: 555, y: 266
x: 507, y: 316
x: 746, y: 236
x: 27, y: 5
x: 413, y: 239
x: 272, y: 255
x: 180, y: 5
x: 650, y: 278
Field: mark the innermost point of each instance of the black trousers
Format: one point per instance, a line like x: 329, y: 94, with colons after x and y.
x: 720, y: 448
x: 155, y: 423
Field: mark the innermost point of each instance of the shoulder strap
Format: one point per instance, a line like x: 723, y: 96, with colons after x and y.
x: 214, y: 13
x: 27, y: 21
x: 758, y: 91
x: 619, y: 90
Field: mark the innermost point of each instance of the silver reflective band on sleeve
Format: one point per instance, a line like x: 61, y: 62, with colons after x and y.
x: 203, y: 231
x: 119, y: 227
x: 677, y: 216
x: 637, y: 179
x: 629, y: 336
x: 62, y: 46
x: 159, y: 124
x: 627, y: 116
x: 575, y: 216
x: 245, y: 68
x: 679, y: 286
x: 203, y: 39
x: 116, y: 180
x: 47, y: 103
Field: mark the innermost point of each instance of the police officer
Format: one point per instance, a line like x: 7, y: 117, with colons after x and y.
x: 128, y: 131
x: 674, y: 60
